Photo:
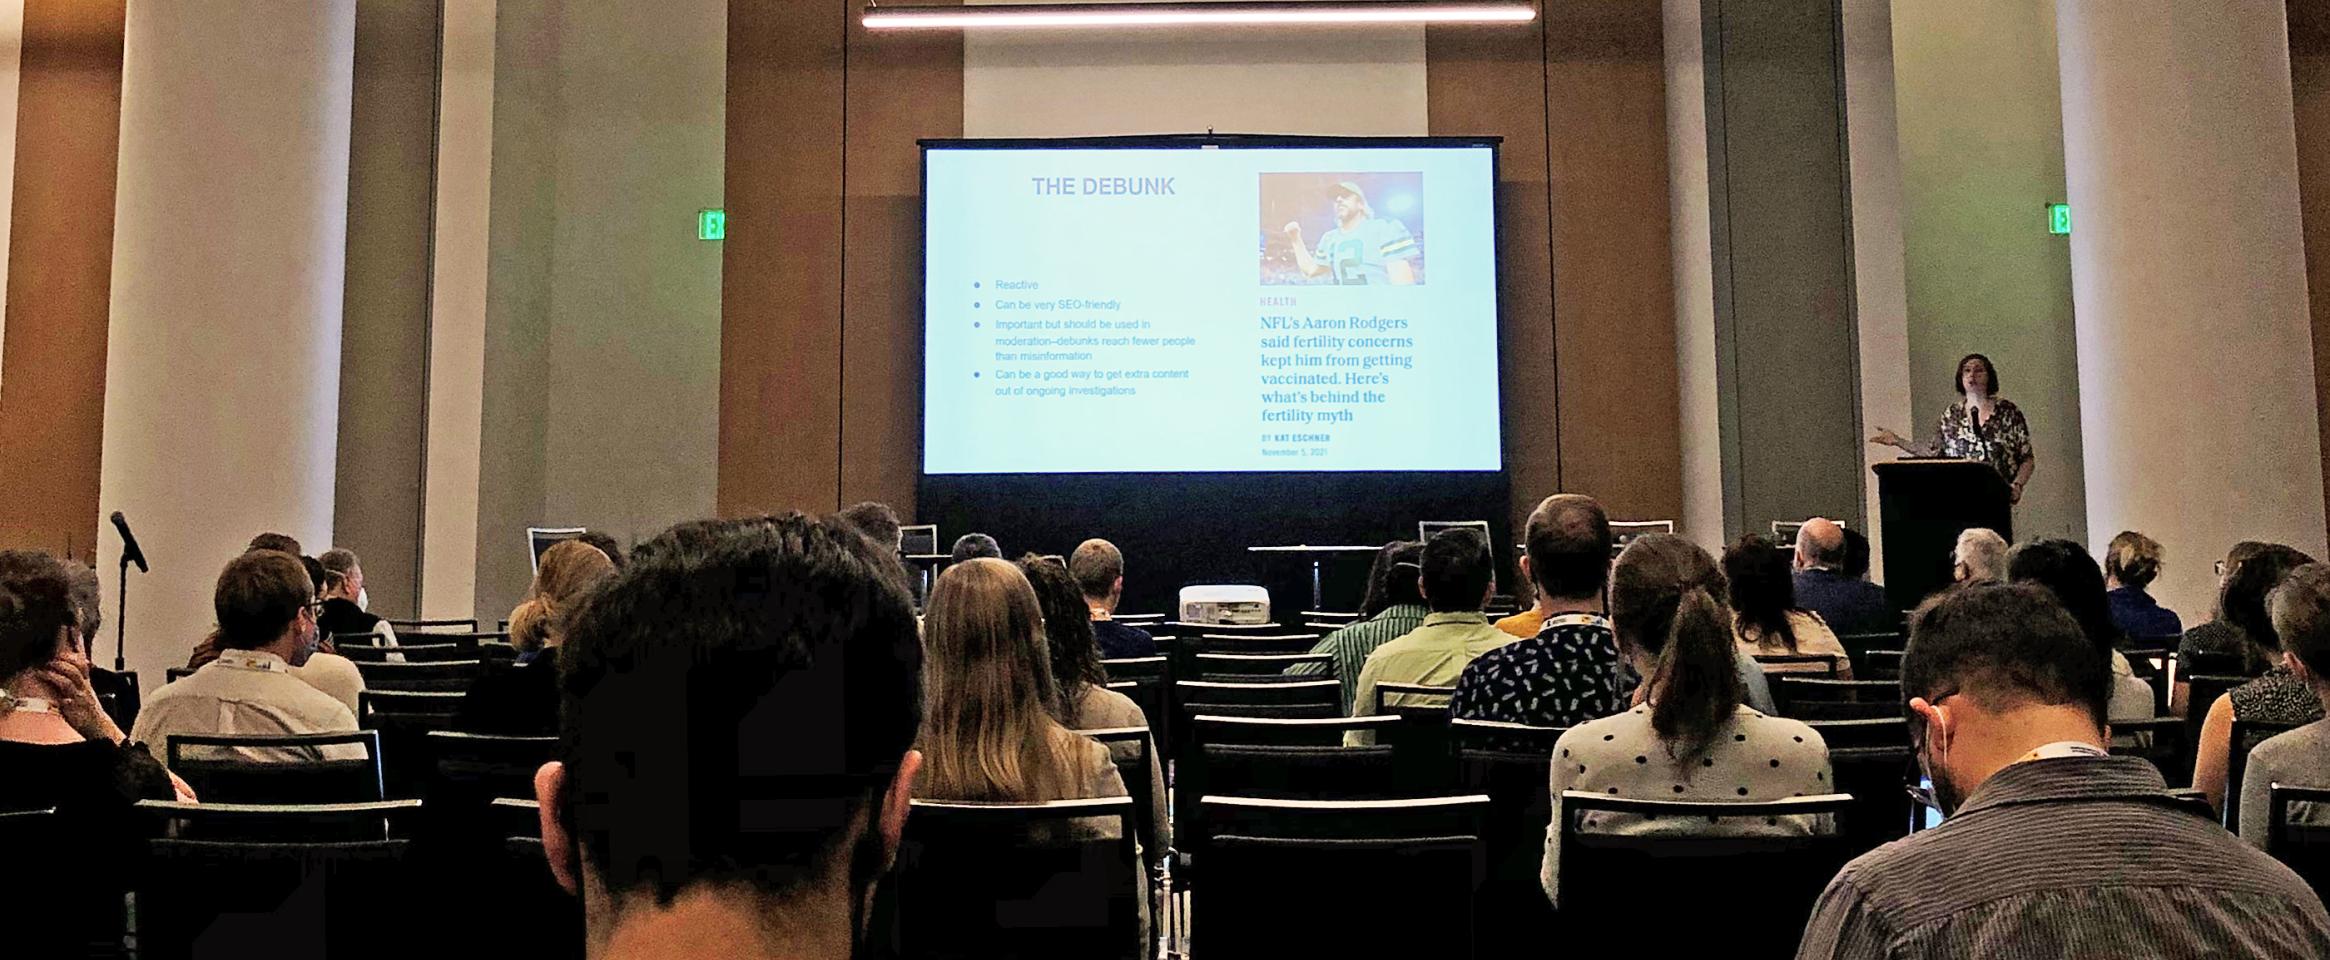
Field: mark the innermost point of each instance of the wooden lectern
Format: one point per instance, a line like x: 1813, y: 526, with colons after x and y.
x: 1925, y: 505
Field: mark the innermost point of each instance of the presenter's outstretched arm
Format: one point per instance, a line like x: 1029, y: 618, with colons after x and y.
x: 1302, y: 251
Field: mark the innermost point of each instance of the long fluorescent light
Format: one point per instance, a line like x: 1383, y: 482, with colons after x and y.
x: 1228, y: 12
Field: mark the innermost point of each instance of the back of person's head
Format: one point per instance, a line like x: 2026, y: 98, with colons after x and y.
x: 1391, y: 580
x: 1763, y: 588
x: 282, y: 543
x: 322, y: 579
x: 1663, y: 603
x: 2246, y: 585
x: 972, y: 546
x: 606, y: 544
x: 567, y: 573
x: 2006, y: 647
x: 1856, y: 555
x: 1457, y: 570
x: 989, y: 734
x: 876, y: 520
x: 36, y: 610
x: 736, y: 714
x: 1820, y: 544
x: 1097, y: 566
x: 1568, y: 543
x: 2065, y: 569
x: 1983, y: 553
x: 340, y: 560
x: 88, y: 609
x: 2133, y: 559
x: 259, y: 595
x: 2300, y: 608
x: 1075, y: 655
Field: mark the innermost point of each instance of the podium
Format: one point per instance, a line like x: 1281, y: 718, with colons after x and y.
x: 1925, y: 505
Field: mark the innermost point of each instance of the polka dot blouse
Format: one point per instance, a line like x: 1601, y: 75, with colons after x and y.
x: 1754, y: 758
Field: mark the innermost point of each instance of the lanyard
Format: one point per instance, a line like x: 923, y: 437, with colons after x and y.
x: 1575, y: 620
x: 247, y: 661
x: 16, y: 704
x: 2063, y: 748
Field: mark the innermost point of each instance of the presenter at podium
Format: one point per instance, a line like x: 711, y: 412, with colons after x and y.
x: 1982, y: 426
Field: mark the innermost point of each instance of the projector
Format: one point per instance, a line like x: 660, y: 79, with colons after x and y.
x: 1225, y: 603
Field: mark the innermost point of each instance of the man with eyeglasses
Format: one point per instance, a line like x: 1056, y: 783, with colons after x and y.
x: 2052, y: 846
x: 267, y: 632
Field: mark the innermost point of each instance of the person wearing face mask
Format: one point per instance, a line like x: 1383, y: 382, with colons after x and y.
x: 266, y: 630
x: 2052, y: 847
x: 1982, y: 426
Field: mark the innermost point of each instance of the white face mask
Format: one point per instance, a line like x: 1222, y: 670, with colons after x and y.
x: 363, y: 602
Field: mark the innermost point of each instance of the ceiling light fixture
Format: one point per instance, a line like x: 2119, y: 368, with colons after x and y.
x: 1172, y: 14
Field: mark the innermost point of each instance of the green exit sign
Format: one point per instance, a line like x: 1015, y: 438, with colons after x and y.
x: 712, y: 224
x: 2059, y: 219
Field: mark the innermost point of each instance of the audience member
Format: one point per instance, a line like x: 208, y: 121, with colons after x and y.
x: 1979, y: 557
x: 2300, y: 757
x: 1844, y: 601
x: 2276, y: 696
x: 606, y: 545
x: 1856, y: 564
x: 2222, y: 646
x: 877, y: 521
x: 2053, y: 847
x: 1393, y: 608
x: 989, y: 734
x: 736, y: 740
x: 1099, y: 569
x: 522, y: 698
x: 343, y: 611
x: 2071, y: 576
x: 972, y: 546
x: 343, y: 561
x: 1690, y: 737
x: 1765, y: 617
x: 1082, y: 699
x: 1457, y: 578
x: 1567, y: 673
x: 59, y: 750
x: 275, y: 541
x: 266, y: 627
x: 2129, y: 565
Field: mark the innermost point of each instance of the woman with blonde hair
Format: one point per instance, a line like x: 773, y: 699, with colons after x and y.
x: 523, y: 700
x: 988, y: 731
x: 2129, y: 565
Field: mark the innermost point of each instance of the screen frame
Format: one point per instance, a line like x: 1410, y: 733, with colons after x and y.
x: 1202, y: 141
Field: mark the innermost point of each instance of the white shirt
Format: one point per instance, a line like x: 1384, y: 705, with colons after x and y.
x: 245, y: 692
x: 335, y: 675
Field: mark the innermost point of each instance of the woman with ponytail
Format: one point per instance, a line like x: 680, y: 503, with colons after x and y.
x: 523, y: 701
x: 1689, y: 736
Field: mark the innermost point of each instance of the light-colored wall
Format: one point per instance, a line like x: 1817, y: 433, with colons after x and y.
x: 1701, y: 417
x: 603, y: 309
x: 1981, y: 137
x: 1881, y: 320
x: 457, y: 310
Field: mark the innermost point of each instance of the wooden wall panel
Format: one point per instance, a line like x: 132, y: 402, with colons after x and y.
x: 902, y: 87
x: 2310, y: 84
x: 60, y: 273
x: 1613, y: 289
x: 781, y: 276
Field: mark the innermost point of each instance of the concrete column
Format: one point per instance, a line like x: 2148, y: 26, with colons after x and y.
x: 2188, y: 279
x: 223, y: 357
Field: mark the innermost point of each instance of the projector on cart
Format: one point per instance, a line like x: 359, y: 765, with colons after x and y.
x: 1228, y: 604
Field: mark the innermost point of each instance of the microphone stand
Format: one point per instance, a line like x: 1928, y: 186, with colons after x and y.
x: 121, y: 615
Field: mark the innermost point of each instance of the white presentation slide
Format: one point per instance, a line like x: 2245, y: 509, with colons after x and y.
x: 1134, y: 310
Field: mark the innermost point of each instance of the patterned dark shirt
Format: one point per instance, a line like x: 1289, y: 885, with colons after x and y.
x: 2004, y: 439
x: 1566, y: 675
x: 2068, y: 857
x: 2277, y: 697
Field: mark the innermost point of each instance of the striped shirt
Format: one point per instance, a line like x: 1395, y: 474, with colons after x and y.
x: 2068, y: 857
x: 1351, y: 644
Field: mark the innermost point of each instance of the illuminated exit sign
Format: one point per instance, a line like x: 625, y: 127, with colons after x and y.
x: 711, y: 224
x: 2059, y: 219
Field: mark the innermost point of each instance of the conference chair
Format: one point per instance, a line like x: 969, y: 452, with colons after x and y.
x: 450, y: 676
x: 1134, y: 668
x: 1499, y: 737
x: 64, y: 884
x: 413, y: 653
x: 2202, y: 691
x: 1814, y: 698
x: 1422, y: 738
x: 1134, y: 750
x: 1511, y: 764
x: 1857, y: 644
x: 485, y: 766
x: 1149, y: 695
x: 455, y: 625
x: 1339, y: 618
x: 278, y: 880
x: 175, y: 674
x: 2296, y: 834
x: 1290, y: 878
x: 1603, y: 875
x: 1251, y: 643
x: 1794, y: 664
x: 1297, y: 758
x: 2157, y: 739
x: 1256, y: 667
x: 2247, y: 734
x: 2150, y: 663
x: 2214, y: 663
x: 981, y: 880
x: 1878, y: 665
x: 1294, y: 698
x: 303, y: 768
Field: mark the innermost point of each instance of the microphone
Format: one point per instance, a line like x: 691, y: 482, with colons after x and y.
x: 129, y: 543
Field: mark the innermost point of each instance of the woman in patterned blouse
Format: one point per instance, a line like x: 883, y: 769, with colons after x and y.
x: 1983, y: 426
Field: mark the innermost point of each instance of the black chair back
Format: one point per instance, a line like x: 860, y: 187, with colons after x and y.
x: 2297, y: 834
x: 1813, y: 698
x: 1497, y: 737
x: 1018, y: 880
x: 1135, y: 750
x: 404, y: 719
x: 2215, y: 663
x: 2159, y: 740
x: 306, y: 768
x: 412, y: 653
x: 487, y: 767
x: 1324, y: 732
x: 1799, y: 664
x: 2150, y: 663
x: 1603, y: 874
x: 1425, y: 759
x: 175, y: 674
x: 1879, y: 732
x: 1257, y: 667
x: 1255, y: 711
x: 230, y: 894
x: 1134, y: 668
x: 69, y: 899
x: 1856, y: 644
x: 2247, y: 734
x: 454, y: 625
x: 2202, y: 694
x: 1261, y: 896
x: 1878, y: 665
x: 446, y: 676
x: 1299, y: 773
x: 1252, y: 643
x: 1513, y: 907
x: 1278, y: 692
